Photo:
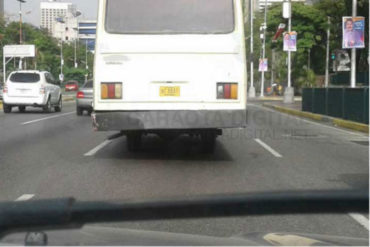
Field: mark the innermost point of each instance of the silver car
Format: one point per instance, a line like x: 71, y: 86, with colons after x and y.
x: 84, y: 98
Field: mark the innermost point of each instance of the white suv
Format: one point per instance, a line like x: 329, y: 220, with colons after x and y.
x: 32, y: 88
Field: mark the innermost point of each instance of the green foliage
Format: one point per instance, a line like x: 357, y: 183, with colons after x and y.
x: 47, y: 51
x: 306, y: 79
x: 311, y: 23
x: 75, y: 74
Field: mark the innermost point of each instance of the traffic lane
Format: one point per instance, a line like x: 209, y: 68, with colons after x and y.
x: 161, y: 169
x: 189, y: 173
x: 238, y: 166
x: 223, y: 176
x: 323, y: 155
x: 32, y: 113
x: 29, y: 153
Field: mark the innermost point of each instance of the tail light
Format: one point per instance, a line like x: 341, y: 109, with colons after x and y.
x: 227, y: 91
x: 80, y: 95
x: 111, y: 90
x: 42, y: 90
x: 5, y: 89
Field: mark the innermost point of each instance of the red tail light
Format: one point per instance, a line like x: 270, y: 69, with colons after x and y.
x: 80, y: 95
x: 5, y: 89
x: 111, y: 90
x: 227, y: 90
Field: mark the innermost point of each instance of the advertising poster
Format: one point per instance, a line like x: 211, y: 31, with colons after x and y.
x: 353, y: 32
x: 290, y: 41
x: 263, y: 65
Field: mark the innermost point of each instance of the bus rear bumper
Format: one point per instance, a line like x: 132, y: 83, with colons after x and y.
x: 171, y: 120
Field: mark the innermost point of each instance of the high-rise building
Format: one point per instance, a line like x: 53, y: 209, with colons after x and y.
x: 1, y: 8
x: 59, y: 18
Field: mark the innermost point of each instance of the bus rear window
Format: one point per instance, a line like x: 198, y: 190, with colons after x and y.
x: 25, y: 77
x: 169, y: 16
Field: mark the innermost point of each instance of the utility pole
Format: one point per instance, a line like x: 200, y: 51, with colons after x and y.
x: 75, y: 60
x: 61, y: 59
x: 353, y: 51
x: 289, y: 91
x: 20, y: 20
x: 327, y: 54
x: 87, y: 66
x: 272, y: 67
x: 264, y: 50
x: 252, y: 90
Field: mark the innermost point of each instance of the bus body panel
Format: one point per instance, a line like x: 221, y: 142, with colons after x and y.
x: 145, y: 64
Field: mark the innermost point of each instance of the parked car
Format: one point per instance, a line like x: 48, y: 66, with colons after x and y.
x: 84, y: 98
x: 71, y: 86
x: 32, y: 88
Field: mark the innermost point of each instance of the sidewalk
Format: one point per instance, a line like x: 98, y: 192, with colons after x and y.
x: 278, y: 101
x: 295, y: 109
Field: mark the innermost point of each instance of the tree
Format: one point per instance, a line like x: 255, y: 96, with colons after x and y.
x: 47, y: 51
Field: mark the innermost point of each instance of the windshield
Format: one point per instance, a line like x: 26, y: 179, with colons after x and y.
x: 25, y: 77
x: 169, y: 16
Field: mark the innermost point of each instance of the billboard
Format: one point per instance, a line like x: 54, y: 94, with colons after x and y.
x: 353, y: 32
x: 19, y: 50
x: 263, y: 65
x: 290, y: 41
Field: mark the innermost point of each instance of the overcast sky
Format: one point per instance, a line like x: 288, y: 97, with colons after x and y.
x: 87, y: 7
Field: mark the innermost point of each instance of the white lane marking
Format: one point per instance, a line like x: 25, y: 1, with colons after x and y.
x: 93, y: 151
x: 308, y: 121
x: 362, y: 220
x: 268, y: 148
x: 47, y: 118
x: 25, y: 197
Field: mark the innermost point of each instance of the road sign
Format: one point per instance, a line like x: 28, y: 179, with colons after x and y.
x: 61, y: 77
x: 19, y: 51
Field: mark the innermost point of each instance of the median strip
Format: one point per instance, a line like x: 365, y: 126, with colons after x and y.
x: 321, y: 118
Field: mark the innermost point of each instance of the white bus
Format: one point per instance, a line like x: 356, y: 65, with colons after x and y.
x: 170, y: 67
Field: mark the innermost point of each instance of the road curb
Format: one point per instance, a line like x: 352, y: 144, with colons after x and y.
x: 321, y: 118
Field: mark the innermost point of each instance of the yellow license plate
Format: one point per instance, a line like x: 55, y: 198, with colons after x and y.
x: 169, y: 91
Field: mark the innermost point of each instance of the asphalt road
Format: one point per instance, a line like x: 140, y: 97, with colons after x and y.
x: 58, y: 155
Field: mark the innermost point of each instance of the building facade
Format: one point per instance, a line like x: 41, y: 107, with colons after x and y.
x: 59, y: 19
x: 1, y: 8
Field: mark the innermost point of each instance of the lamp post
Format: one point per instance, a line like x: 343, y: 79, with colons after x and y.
x: 289, y: 91
x: 76, y: 15
x: 20, y: 20
x: 353, y: 51
x: 264, y: 50
x: 327, y: 54
x: 252, y: 90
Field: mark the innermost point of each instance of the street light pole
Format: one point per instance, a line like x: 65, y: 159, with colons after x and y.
x: 264, y: 51
x: 289, y: 91
x: 61, y: 59
x: 75, y: 53
x: 252, y: 90
x: 353, y: 51
x: 20, y: 20
x: 327, y: 54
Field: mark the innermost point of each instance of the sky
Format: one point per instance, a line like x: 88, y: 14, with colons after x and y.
x: 87, y: 7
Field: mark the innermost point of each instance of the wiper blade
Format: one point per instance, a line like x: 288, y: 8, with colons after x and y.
x: 67, y: 213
